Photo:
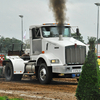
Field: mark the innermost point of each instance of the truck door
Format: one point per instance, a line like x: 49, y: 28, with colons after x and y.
x: 36, y: 41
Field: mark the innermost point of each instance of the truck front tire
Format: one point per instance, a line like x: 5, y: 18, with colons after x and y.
x: 44, y: 74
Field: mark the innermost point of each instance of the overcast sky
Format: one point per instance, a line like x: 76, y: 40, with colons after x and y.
x: 81, y: 13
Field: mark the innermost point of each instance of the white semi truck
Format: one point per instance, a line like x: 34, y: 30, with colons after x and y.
x: 51, y: 54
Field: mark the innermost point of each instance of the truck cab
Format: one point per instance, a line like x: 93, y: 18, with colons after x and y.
x: 51, y: 54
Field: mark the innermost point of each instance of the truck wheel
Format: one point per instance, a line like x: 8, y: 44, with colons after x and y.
x: 44, y: 74
x: 9, y: 72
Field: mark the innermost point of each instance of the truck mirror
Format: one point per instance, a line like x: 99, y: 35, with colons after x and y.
x: 77, y: 32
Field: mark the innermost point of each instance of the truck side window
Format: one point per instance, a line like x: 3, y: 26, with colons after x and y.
x: 36, y: 33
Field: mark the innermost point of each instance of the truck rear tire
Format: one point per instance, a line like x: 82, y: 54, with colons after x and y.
x: 9, y: 75
x: 44, y: 74
x: 9, y: 72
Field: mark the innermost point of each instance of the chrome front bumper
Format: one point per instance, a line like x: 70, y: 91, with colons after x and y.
x: 67, y: 69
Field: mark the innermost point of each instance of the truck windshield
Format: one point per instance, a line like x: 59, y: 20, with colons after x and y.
x: 52, y: 31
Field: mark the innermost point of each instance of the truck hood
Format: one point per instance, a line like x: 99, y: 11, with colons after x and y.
x: 67, y: 41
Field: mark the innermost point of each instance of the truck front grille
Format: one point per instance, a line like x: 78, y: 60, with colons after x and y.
x: 75, y: 54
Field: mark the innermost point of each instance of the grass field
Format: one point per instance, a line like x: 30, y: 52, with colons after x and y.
x: 6, y: 98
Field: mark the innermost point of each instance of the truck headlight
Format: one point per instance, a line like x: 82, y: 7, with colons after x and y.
x: 54, y: 61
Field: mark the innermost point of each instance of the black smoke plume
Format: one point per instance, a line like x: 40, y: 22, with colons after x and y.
x: 59, y: 9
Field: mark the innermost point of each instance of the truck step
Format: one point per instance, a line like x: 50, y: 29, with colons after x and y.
x: 28, y: 74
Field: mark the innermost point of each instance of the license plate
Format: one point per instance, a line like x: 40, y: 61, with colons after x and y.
x: 76, y: 70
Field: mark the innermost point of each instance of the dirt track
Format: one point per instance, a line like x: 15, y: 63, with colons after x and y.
x: 30, y: 89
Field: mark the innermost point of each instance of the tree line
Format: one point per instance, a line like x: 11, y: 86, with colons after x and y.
x: 6, y: 44
x: 78, y: 37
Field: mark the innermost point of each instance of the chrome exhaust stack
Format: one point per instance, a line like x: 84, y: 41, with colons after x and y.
x: 60, y: 37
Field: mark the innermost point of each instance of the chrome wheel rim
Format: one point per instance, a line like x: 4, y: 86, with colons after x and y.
x: 43, y: 74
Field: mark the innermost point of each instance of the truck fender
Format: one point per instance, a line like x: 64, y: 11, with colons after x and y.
x: 17, y: 63
x: 47, y: 58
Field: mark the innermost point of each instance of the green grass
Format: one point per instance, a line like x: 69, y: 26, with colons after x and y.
x: 6, y: 98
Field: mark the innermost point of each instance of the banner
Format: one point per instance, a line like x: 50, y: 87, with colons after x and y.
x: 24, y: 36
